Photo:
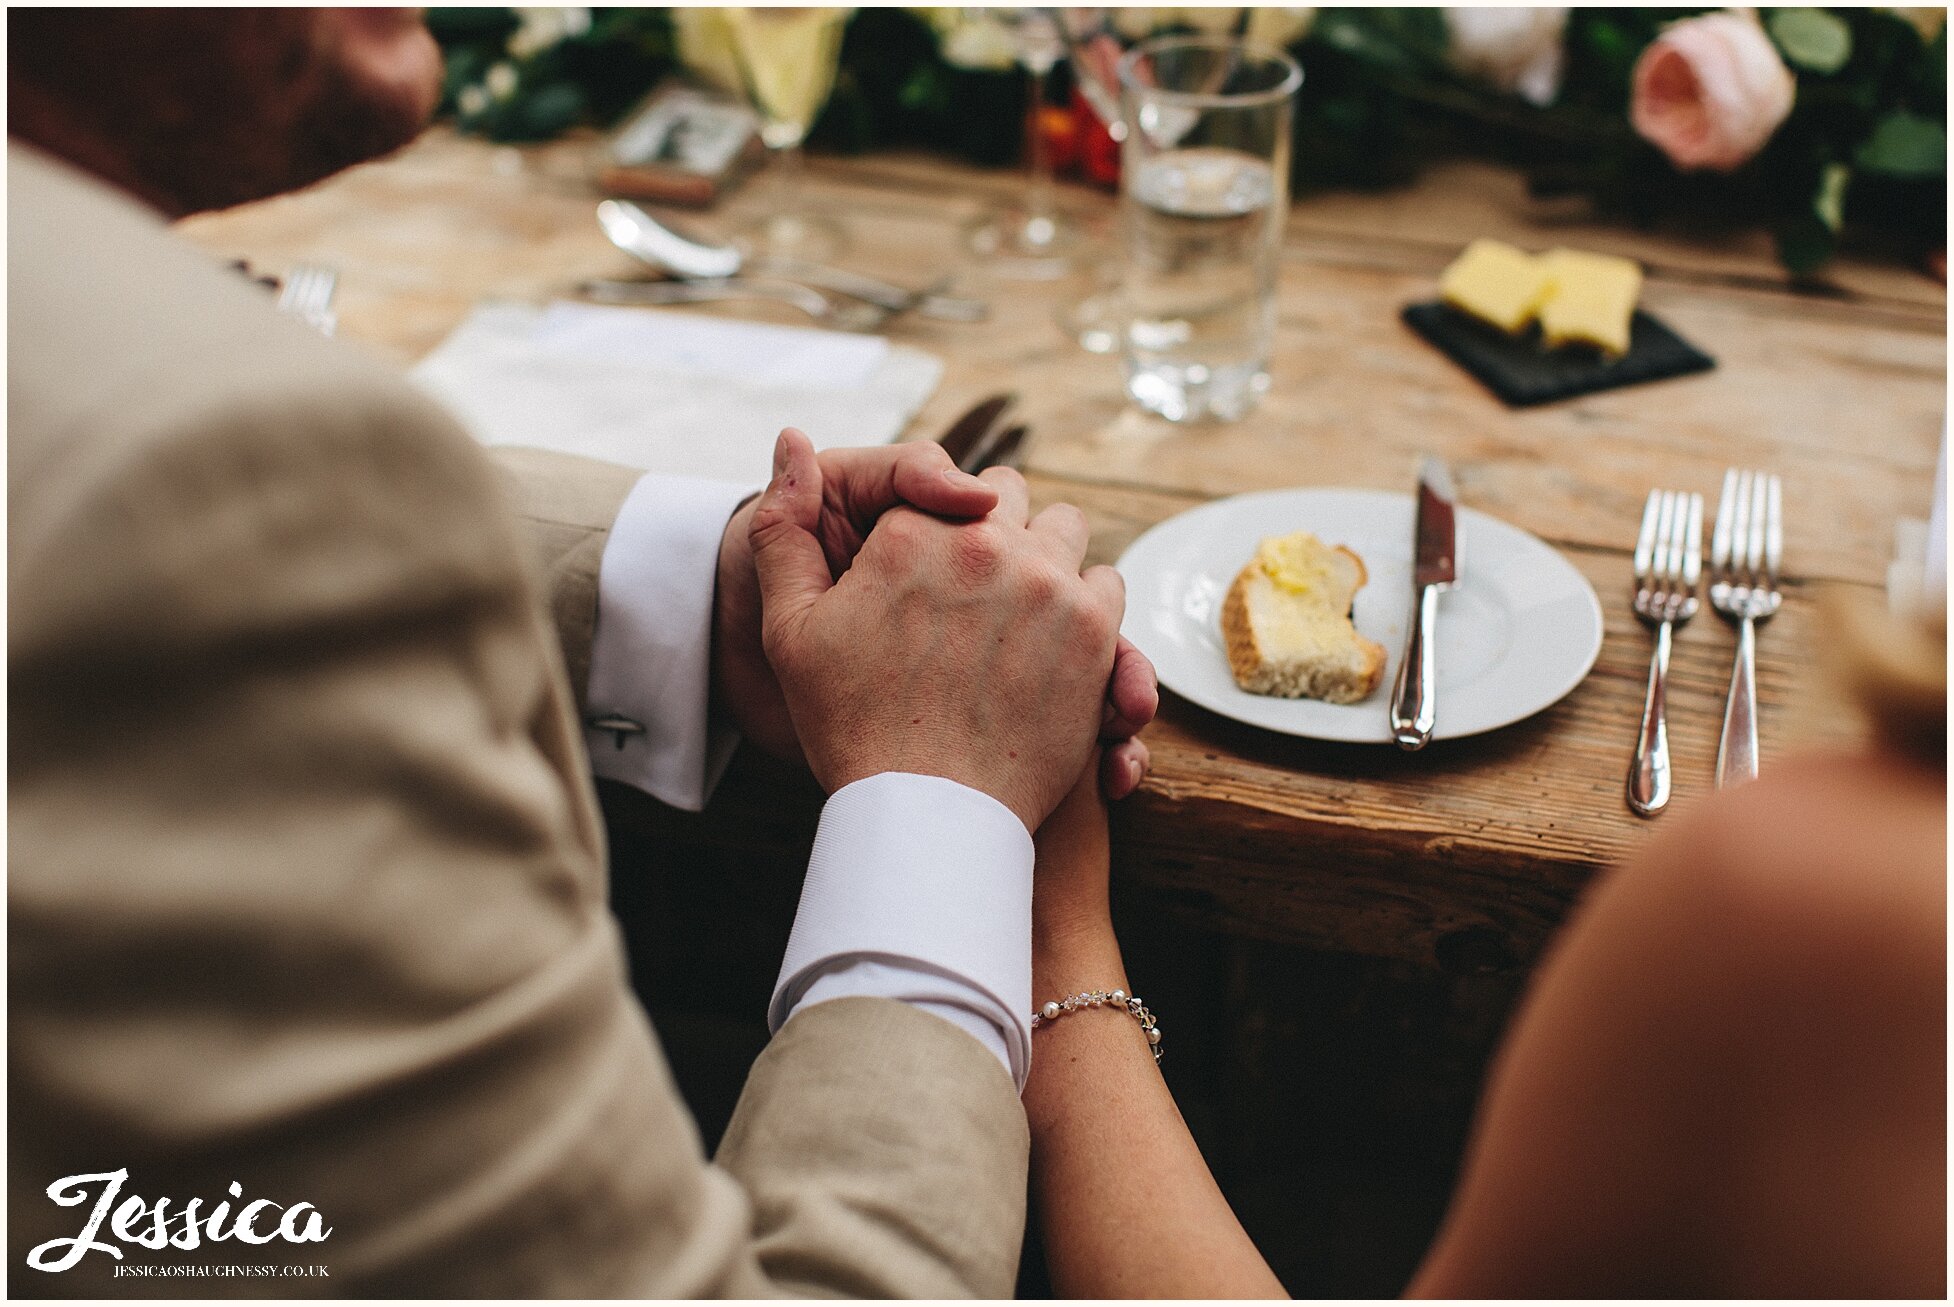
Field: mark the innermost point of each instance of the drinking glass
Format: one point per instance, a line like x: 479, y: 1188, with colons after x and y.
x: 1204, y: 191
x: 787, y: 60
x: 1032, y: 239
x: 1095, y: 39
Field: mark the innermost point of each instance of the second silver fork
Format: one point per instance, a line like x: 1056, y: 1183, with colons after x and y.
x: 1745, y: 550
x: 1668, y: 563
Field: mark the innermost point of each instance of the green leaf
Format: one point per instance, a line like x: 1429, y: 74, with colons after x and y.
x: 1804, y: 244
x: 1904, y: 144
x: 459, y: 24
x: 1829, y: 202
x: 1812, y: 38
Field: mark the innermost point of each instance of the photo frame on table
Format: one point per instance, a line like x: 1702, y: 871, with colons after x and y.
x: 681, y: 146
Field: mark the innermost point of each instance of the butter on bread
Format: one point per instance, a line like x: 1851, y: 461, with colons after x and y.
x: 1496, y: 283
x: 1590, y: 299
x: 1286, y: 622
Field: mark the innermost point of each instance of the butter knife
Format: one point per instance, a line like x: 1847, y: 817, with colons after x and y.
x: 970, y: 434
x: 1414, y: 700
x: 1002, y: 452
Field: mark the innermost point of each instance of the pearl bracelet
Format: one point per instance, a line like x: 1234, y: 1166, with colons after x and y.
x: 1119, y: 998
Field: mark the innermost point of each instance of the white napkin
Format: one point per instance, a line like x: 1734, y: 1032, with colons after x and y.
x: 670, y: 392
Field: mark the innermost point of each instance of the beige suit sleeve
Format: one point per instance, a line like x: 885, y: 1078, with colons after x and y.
x: 566, y: 505
x: 307, y: 893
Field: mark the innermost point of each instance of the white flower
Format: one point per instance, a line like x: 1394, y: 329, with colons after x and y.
x: 975, y: 40
x: 1517, y: 50
x: 539, y: 29
x: 501, y: 81
x: 472, y: 100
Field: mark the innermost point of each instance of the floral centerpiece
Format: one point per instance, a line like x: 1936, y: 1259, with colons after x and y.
x: 1827, y: 125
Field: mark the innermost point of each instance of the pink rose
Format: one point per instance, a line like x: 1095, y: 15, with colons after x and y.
x: 1710, y: 91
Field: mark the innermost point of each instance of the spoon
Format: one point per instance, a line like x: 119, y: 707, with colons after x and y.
x: 662, y: 246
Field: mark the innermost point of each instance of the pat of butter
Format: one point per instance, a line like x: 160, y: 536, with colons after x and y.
x: 1497, y: 283
x: 1590, y: 299
x: 1295, y: 562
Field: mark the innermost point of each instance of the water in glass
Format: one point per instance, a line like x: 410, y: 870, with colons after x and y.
x: 1203, y: 229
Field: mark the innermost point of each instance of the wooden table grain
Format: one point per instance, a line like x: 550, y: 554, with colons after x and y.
x: 1467, y: 853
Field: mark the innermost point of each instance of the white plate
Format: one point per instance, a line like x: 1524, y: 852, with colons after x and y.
x: 1520, y: 631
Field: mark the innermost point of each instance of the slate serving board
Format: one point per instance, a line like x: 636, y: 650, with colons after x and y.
x: 1522, y: 374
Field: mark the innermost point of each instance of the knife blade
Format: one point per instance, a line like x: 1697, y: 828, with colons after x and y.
x: 1002, y: 452
x: 1414, y: 699
x: 980, y: 424
x: 1437, y: 534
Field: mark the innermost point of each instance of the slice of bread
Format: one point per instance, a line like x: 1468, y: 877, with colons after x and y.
x: 1287, y: 625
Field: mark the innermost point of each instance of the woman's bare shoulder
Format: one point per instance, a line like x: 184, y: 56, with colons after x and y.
x: 1838, y: 857
x: 1729, y: 1073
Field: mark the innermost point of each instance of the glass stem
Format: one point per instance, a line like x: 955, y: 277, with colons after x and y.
x: 792, y: 170
x: 1038, y: 199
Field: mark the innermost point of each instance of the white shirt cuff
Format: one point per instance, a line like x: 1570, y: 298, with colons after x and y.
x: 651, y: 652
x: 918, y: 889
x: 958, y: 1003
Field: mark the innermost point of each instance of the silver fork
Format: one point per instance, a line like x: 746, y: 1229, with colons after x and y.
x: 1744, y: 553
x: 307, y: 296
x: 1668, y: 561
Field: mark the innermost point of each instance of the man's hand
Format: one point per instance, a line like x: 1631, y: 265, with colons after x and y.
x: 974, y: 651
x: 857, y: 486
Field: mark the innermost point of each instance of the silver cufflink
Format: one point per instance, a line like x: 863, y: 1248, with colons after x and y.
x: 619, y: 727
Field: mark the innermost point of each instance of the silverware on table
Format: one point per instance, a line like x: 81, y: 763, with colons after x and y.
x: 307, y: 295
x: 1006, y: 451
x: 663, y: 246
x: 978, y: 425
x: 986, y: 436
x: 1745, y: 550
x: 991, y: 448
x: 1414, y: 699
x: 1668, y: 561
x: 850, y: 315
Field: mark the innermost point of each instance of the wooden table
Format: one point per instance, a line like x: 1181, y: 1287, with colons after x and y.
x: 1467, y: 853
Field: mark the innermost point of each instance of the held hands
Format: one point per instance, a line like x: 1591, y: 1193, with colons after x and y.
x: 855, y: 487
x: 971, y: 650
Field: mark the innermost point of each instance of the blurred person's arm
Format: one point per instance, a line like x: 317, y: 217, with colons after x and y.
x: 1728, y: 1076
x: 1125, y: 1202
